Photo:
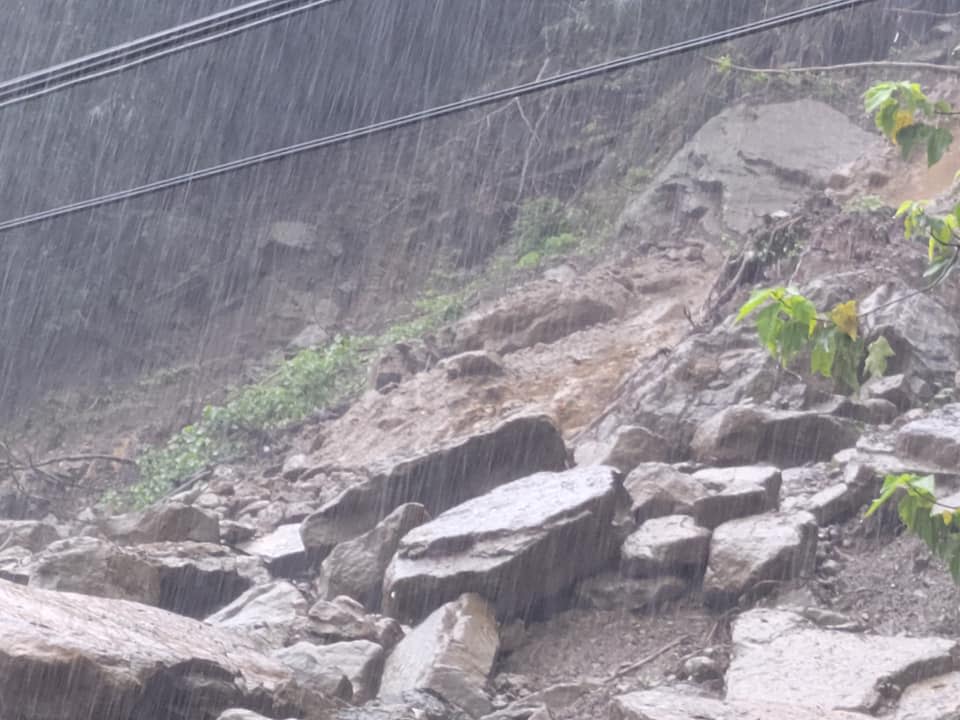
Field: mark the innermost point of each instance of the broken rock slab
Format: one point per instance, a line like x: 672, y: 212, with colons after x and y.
x: 193, y: 579
x: 450, y: 654
x: 66, y: 656
x: 612, y: 591
x: 746, y: 552
x: 355, y: 568
x: 779, y: 656
x: 668, y: 545
x: 518, y: 544
x: 736, y: 492
x: 744, y: 434
x: 440, y: 478
x: 667, y: 705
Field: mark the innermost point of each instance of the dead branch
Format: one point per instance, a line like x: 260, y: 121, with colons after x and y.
x: 633, y: 667
x: 924, y: 13
x: 884, y: 64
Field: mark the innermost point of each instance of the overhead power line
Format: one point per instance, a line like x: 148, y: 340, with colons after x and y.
x: 151, y: 47
x: 443, y: 110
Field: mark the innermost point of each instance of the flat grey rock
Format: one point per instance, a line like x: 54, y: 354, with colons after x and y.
x: 779, y: 656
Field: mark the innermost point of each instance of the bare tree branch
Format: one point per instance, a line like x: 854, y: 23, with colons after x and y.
x: 886, y: 64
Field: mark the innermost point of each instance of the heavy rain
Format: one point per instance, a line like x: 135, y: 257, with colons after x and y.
x: 479, y: 360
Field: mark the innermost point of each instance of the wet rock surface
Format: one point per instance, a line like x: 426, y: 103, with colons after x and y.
x: 113, y: 659
x: 192, y: 579
x: 501, y: 545
x: 440, y: 479
x: 763, y: 549
x: 766, y: 642
x: 450, y: 653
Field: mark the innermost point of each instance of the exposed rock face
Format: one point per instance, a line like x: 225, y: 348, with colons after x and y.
x: 450, y: 654
x: 192, y: 579
x: 925, y: 339
x: 441, y: 478
x: 745, y: 163
x: 401, y: 361
x: 355, y: 567
x: 666, y: 705
x: 736, y: 492
x: 269, y: 616
x: 745, y: 552
x: 170, y: 522
x: 546, y: 312
x: 934, y: 439
x: 704, y: 374
x: 672, y: 544
x: 746, y: 433
x: 780, y: 657
x: 523, y: 542
x: 118, y: 660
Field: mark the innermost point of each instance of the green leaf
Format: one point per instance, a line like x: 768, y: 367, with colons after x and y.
x: 909, y: 137
x: 937, y: 144
x: 793, y: 338
x: 877, y: 353
x: 823, y: 353
x: 769, y: 325
x: 877, y: 96
x: 757, y: 298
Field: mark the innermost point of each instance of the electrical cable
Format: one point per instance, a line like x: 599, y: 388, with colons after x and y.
x: 443, y: 110
x: 151, y: 47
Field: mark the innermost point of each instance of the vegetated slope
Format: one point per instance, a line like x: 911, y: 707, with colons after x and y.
x: 206, y: 280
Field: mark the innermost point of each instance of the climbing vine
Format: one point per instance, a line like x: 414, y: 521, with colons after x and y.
x: 788, y: 324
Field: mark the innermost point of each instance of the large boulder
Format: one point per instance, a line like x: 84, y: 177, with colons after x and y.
x: 518, y: 544
x: 779, y: 656
x: 744, y: 434
x: 747, y: 162
x: 192, y: 579
x: 747, y: 552
x: 451, y: 653
x: 440, y: 478
x: 66, y: 656
x: 355, y: 568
